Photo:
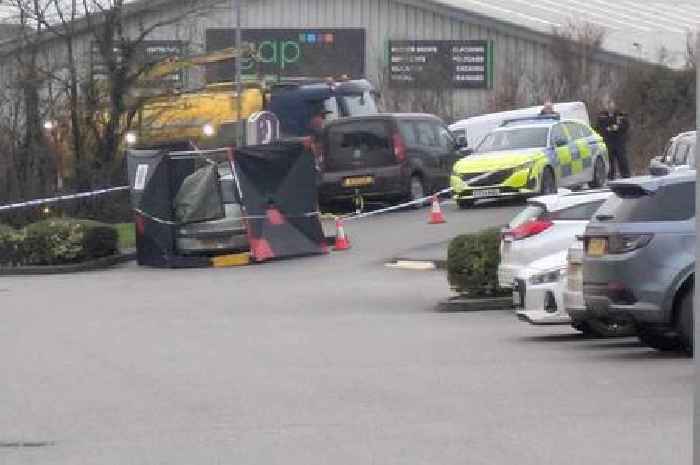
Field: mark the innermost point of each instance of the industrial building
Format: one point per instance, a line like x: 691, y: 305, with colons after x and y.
x: 474, y: 46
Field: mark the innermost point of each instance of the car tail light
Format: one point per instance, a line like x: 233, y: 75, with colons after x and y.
x: 616, y: 243
x: 531, y: 228
x: 399, y: 148
x: 623, y: 243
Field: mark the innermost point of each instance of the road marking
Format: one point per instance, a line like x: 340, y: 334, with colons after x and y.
x: 412, y: 265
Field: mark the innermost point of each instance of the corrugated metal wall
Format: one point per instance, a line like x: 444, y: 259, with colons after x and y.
x: 383, y: 20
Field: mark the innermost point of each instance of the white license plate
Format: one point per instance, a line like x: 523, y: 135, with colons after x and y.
x: 486, y: 193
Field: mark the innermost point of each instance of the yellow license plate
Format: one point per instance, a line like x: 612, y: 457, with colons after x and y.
x: 358, y: 181
x: 597, y: 247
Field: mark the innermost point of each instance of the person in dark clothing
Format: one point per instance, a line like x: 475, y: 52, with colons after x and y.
x: 548, y: 109
x: 613, y: 126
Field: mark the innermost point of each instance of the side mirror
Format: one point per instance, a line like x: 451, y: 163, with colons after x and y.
x: 560, y: 142
x: 461, y: 142
x: 466, y: 151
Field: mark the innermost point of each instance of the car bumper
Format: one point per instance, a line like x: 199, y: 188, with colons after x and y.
x: 603, y: 307
x: 391, y: 181
x: 514, y: 187
x: 506, y: 274
x: 533, y: 299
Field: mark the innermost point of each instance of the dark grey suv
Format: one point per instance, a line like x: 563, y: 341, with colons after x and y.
x: 639, y: 258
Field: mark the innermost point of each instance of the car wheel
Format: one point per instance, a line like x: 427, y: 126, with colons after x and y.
x: 659, y: 341
x: 548, y: 184
x: 465, y: 204
x: 417, y: 190
x: 599, y: 175
x: 684, y: 319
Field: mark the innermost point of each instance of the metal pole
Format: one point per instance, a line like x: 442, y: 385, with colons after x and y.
x: 239, y: 84
x: 696, y: 303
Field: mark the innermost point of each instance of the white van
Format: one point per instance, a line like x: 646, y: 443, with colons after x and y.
x: 474, y: 129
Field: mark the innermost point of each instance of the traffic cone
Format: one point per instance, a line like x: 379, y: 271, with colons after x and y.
x: 341, y: 240
x: 274, y: 216
x: 436, y: 216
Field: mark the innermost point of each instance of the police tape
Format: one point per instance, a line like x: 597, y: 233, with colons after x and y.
x: 245, y: 217
x: 81, y: 195
x: 420, y: 201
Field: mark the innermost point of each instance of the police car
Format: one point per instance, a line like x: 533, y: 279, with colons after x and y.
x: 531, y: 155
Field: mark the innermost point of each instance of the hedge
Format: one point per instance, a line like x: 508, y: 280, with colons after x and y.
x: 56, y: 242
x: 472, y: 264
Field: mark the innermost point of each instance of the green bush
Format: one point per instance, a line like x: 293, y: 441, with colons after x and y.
x: 10, y: 245
x: 51, y: 242
x: 56, y: 242
x: 472, y: 264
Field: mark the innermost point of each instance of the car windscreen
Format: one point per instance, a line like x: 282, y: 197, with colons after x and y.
x: 359, y: 144
x: 533, y: 212
x: 513, y: 139
x: 360, y: 104
x: 675, y: 202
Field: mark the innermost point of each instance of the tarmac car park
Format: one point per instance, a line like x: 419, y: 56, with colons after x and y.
x: 528, y: 156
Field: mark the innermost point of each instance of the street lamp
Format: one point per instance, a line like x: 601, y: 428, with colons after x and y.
x: 239, y: 84
x: 51, y: 127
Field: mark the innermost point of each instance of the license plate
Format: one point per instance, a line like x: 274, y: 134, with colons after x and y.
x: 358, y: 181
x: 486, y: 193
x: 596, y: 247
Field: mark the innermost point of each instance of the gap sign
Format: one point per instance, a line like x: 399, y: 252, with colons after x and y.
x: 291, y: 53
x: 461, y: 64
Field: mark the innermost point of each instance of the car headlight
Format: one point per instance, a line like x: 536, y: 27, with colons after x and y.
x: 130, y: 138
x: 208, y: 130
x: 550, y: 276
x: 524, y: 166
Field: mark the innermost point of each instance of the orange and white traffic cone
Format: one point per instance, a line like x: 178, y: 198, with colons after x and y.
x: 436, y: 216
x: 341, y: 240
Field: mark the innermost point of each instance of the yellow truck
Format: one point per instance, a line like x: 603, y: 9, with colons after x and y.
x: 209, y: 117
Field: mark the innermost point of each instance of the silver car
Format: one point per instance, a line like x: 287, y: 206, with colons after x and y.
x: 640, y: 259
x: 227, y: 234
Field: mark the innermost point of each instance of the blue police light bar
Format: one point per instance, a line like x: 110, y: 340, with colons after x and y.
x: 531, y: 118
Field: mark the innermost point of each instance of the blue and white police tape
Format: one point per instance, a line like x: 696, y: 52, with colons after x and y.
x: 36, y: 202
x: 422, y: 200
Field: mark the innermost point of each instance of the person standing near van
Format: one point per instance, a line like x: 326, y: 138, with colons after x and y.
x: 548, y: 109
x: 613, y: 126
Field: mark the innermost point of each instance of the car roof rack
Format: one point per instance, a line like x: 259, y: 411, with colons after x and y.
x: 531, y: 118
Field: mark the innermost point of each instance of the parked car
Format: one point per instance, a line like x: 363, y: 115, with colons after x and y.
x: 640, y: 258
x: 393, y: 156
x: 226, y: 234
x: 529, y: 156
x: 548, y: 225
x: 679, y: 153
x: 574, y: 303
x: 475, y: 128
x: 538, y: 290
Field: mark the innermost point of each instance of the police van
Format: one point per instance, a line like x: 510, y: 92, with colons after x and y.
x: 532, y: 155
x: 473, y: 130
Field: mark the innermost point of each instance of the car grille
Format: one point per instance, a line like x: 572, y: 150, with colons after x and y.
x: 468, y: 176
x: 493, y: 179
